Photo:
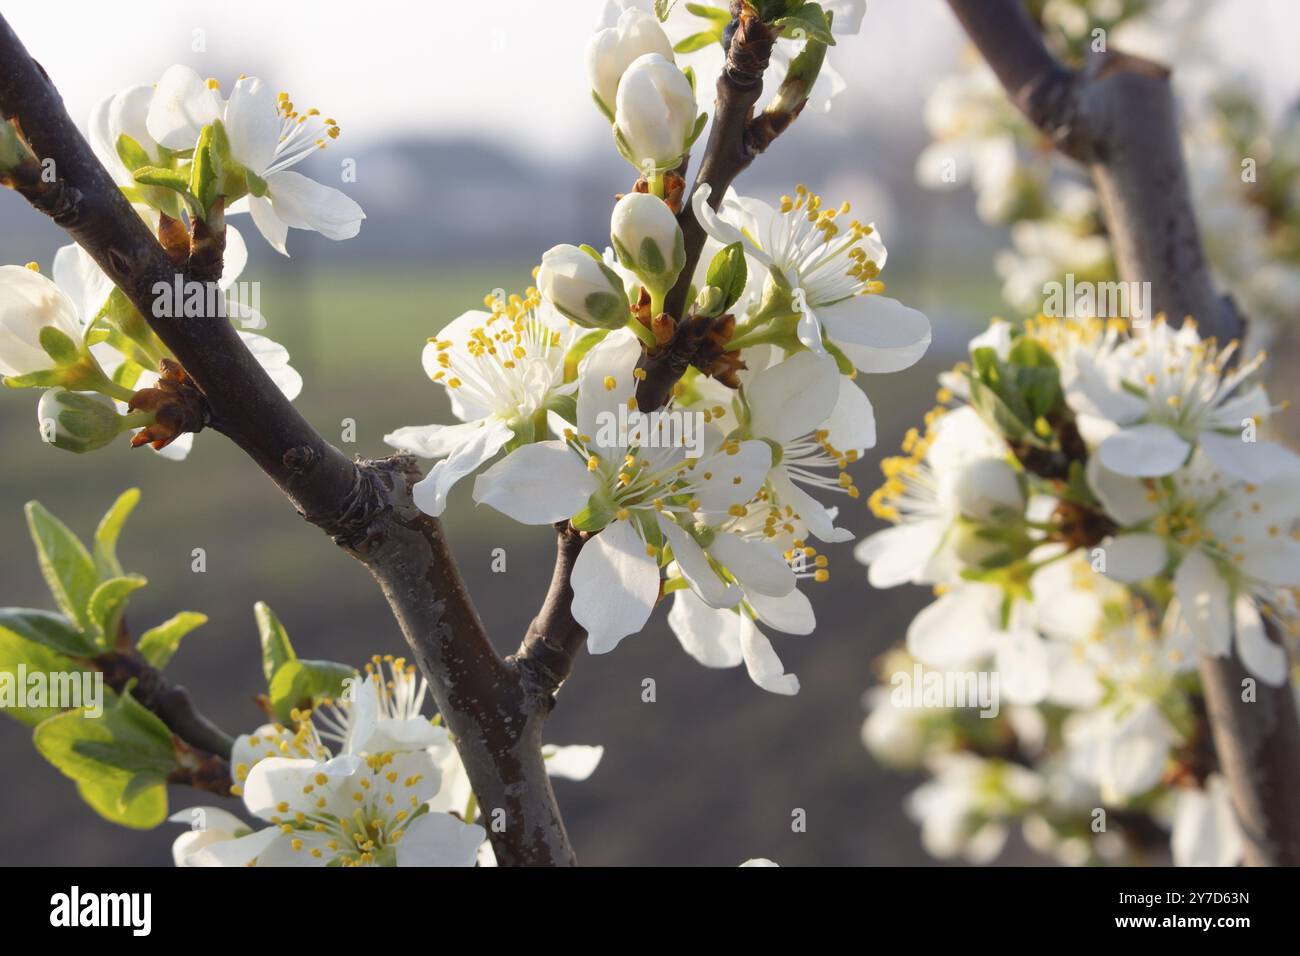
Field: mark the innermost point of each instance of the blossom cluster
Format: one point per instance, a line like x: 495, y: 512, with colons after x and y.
x: 186, y: 157
x: 364, y: 780
x: 1095, y: 510
x: 715, y: 495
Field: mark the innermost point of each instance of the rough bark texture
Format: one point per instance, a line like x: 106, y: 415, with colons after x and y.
x: 365, y: 506
x: 1118, y: 117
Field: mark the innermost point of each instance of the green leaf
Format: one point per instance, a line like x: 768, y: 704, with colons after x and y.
x: 718, y: 15
x: 698, y: 41
x: 131, y: 153
x: 65, y: 564
x: 809, y: 21
x: 119, y: 761
x: 47, y: 629
x: 158, y: 644
x: 728, y: 272
x: 299, y: 683
x: 276, y: 649
x: 166, y: 178
x: 110, y: 527
x: 108, y: 602
x: 663, y: 8
x: 577, y: 352
x: 16, y: 651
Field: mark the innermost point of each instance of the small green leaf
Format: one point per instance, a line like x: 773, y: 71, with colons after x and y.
x: 47, y: 629
x: 19, y: 659
x: 166, y: 178
x: 110, y: 527
x: 299, y: 683
x: 698, y: 41
x: 729, y: 273
x: 718, y: 15
x: 158, y: 644
x: 119, y: 761
x: 107, y: 604
x: 276, y: 649
x: 65, y: 564
x: 131, y: 153
x: 809, y: 21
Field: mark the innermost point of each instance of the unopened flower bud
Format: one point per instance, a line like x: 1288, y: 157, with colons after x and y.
x: 77, y: 421
x: 648, y: 240
x: 611, y: 51
x: 987, y: 486
x: 583, y: 288
x: 30, y: 304
x: 655, y: 114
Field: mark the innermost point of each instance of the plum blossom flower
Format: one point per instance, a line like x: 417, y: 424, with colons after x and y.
x: 267, y: 137
x: 503, y: 371
x: 828, y: 275
x: 1170, y: 391
x: 816, y: 421
x: 964, y: 809
x: 639, y: 496
x: 1231, y: 545
x: 957, y: 473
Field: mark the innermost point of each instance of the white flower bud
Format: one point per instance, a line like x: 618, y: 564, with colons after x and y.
x: 648, y: 240
x: 583, y: 288
x: 29, y: 303
x: 988, y: 485
x: 655, y: 113
x: 611, y: 51
x: 77, y: 421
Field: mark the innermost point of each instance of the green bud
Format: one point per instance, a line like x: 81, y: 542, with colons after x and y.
x: 77, y: 421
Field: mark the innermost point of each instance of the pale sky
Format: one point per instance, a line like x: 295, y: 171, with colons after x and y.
x: 510, y: 70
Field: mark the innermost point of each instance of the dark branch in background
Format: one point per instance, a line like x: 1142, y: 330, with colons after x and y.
x: 1117, y: 116
x: 366, y: 507
x: 735, y: 138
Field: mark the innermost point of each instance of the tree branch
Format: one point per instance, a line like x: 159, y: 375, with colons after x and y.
x: 554, y: 638
x: 735, y: 138
x: 366, y: 506
x: 1118, y: 117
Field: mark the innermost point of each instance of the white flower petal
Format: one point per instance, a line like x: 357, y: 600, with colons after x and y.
x: 791, y: 614
x: 793, y: 397
x: 574, y: 762
x: 900, y: 554
x: 764, y: 667
x: 709, y: 635
x: 877, y: 333
x: 1148, y: 450
x: 1132, y: 557
x: 439, y: 839
x: 757, y: 565
x: 695, y: 568
x: 182, y: 105
x: 1203, y: 603
x: 1260, y: 656
x: 252, y: 124
x: 615, y: 586
x: 541, y: 483
x: 305, y: 204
